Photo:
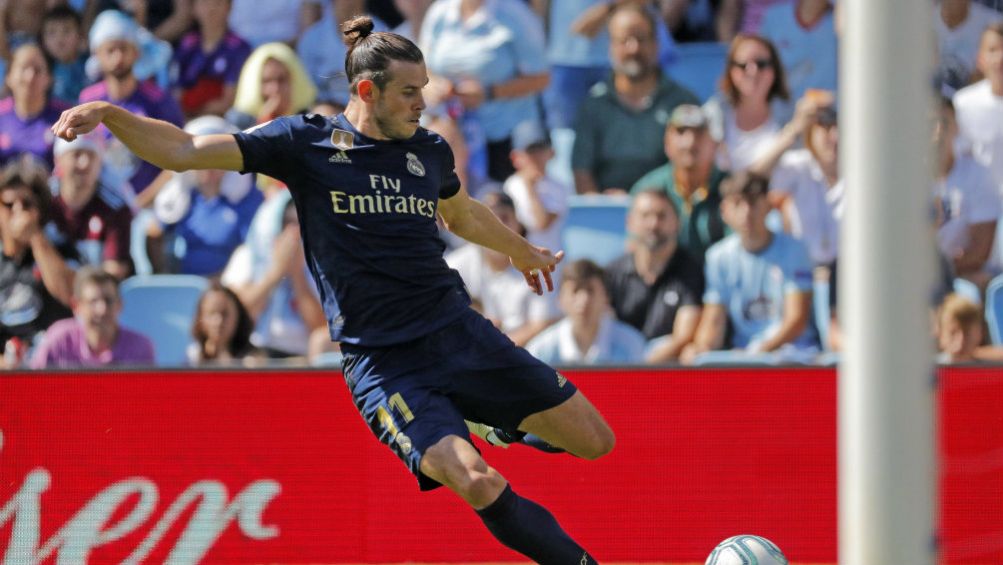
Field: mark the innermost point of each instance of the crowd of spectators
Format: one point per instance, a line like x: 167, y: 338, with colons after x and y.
x: 734, y: 201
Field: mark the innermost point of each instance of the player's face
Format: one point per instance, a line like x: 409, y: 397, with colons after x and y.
x: 79, y: 169
x: 116, y: 58
x: 397, y: 106
x: 585, y: 302
x: 98, y: 307
x: 990, y: 60
x: 687, y: 148
x: 652, y: 222
x: 633, y: 45
x: 752, y: 70
x: 29, y: 76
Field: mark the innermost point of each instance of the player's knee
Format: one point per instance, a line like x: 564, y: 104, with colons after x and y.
x: 600, y: 443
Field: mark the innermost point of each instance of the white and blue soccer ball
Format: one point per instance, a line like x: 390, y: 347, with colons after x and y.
x: 746, y: 549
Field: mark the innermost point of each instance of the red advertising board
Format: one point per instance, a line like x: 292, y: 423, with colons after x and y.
x: 277, y: 467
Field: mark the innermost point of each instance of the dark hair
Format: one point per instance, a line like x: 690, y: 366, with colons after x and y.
x: 62, y: 13
x: 779, y: 87
x: 50, y: 62
x: 240, y: 344
x: 27, y: 172
x: 745, y: 184
x: 369, y: 54
x: 498, y: 198
x: 640, y: 10
x: 655, y: 192
x: 92, y: 274
x: 581, y: 271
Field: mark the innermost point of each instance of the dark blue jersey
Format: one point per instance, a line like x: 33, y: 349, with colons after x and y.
x: 367, y: 217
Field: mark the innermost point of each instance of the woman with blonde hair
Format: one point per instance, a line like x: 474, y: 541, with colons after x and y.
x: 272, y: 83
x: 741, y: 115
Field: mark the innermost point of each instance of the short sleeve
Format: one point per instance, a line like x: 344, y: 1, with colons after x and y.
x: 450, y: 183
x: 984, y: 199
x: 716, y: 291
x: 797, y: 268
x: 266, y: 148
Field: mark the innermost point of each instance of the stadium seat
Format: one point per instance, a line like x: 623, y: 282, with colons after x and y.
x: 994, y: 310
x: 699, y: 67
x: 729, y: 357
x: 595, y: 228
x: 162, y: 307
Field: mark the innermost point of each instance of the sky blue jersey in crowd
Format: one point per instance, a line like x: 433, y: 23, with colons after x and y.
x: 367, y: 217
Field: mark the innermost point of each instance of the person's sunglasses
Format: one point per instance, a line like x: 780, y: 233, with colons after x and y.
x: 26, y: 204
x: 759, y: 64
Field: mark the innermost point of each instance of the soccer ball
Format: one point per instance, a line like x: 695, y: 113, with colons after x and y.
x: 746, y: 550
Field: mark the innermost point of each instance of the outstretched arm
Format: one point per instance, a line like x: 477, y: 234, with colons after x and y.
x: 476, y: 223
x: 161, y: 143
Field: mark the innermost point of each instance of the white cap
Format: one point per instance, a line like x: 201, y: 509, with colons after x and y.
x: 90, y: 142
x: 112, y: 25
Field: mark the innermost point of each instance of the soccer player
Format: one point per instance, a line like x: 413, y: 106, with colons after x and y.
x: 367, y: 185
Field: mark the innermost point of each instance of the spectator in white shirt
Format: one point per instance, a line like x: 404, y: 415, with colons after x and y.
x: 541, y: 203
x: 500, y: 289
x: 979, y: 107
x: 968, y: 204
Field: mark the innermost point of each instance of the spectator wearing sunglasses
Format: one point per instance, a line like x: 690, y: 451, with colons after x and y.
x: 743, y: 115
x: 36, y: 284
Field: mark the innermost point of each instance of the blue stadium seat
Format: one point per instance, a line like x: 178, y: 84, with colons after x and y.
x: 595, y: 228
x: 162, y: 308
x: 994, y: 310
x: 699, y: 67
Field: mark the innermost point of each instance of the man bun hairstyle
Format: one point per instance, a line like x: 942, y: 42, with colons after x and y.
x: 370, y: 53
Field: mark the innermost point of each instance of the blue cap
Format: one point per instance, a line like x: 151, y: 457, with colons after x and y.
x: 529, y: 135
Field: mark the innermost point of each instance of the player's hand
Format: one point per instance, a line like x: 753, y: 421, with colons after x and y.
x: 80, y: 120
x: 538, y: 262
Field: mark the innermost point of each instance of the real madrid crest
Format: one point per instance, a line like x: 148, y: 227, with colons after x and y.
x: 414, y: 166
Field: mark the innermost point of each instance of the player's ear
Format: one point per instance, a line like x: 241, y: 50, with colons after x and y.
x: 366, y: 89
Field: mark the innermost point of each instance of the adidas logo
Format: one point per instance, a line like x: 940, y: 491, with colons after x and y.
x: 561, y: 380
x: 340, y: 158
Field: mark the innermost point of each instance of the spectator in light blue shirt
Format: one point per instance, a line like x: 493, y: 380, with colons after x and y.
x: 322, y: 50
x: 492, y: 56
x: 758, y: 281
x: 589, y: 334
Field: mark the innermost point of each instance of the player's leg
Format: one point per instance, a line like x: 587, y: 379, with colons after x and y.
x: 517, y: 522
x: 575, y: 426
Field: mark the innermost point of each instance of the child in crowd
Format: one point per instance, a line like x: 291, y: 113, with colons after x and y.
x: 541, y: 203
x: 959, y: 331
x: 62, y: 38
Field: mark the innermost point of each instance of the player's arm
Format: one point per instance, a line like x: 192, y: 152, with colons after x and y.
x: 161, y: 143
x: 476, y: 223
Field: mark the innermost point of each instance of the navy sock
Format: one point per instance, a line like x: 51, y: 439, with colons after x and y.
x: 527, y: 527
x: 531, y: 440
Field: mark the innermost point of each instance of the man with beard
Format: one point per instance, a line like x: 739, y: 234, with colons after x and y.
x: 690, y: 179
x: 618, y: 133
x: 657, y: 286
x: 114, y: 40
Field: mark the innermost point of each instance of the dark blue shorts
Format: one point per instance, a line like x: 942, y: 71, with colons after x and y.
x: 416, y: 393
